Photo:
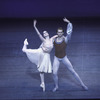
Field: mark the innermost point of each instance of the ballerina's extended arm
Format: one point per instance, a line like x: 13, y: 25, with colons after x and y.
x: 53, y: 37
x: 41, y: 37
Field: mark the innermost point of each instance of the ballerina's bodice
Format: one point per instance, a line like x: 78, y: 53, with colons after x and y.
x: 47, y: 46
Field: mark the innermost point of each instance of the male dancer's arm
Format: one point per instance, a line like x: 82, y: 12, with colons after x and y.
x: 68, y: 30
x: 41, y: 37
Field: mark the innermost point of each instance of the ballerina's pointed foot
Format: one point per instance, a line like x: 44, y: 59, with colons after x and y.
x: 25, y: 42
x: 85, y: 88
x: 43, y: 86
x: 22, y: 49
x: 55, y: 89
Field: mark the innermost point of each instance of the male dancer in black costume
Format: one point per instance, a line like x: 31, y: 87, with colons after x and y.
x: 60, y: 44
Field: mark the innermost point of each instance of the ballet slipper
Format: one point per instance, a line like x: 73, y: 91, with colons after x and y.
x: 85, y: 87
x: 25, y: 42
x: 55, y: 89
x: 43, y: 86
x: 25, y: 45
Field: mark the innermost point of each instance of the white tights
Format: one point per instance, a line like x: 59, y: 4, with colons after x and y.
x: 42, y: 78
x: 68, y: 65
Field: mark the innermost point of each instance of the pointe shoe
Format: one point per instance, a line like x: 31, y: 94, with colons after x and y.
x: 85, y: 87
x: 25, y: 42
x: 55, y: 89
x: 43, y: 86
x: 23, y: 50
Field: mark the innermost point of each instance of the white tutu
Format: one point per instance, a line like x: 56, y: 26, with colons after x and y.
x: 40, y: 58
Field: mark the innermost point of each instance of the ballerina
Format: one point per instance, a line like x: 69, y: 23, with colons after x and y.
x: 41, y: 56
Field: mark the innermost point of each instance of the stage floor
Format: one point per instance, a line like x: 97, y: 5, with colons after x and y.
x: 19, y: 78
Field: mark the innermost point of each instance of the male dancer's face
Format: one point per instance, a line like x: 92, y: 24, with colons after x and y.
x: 60, y: 32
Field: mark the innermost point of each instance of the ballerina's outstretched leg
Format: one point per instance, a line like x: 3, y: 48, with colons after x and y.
x: 25, y: 45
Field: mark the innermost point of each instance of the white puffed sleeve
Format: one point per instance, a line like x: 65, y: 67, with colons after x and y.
x: 69, y: 32
x: 69, y: 28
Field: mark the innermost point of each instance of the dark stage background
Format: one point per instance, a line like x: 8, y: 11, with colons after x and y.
x: 49, y: 8
x: 19, y: 78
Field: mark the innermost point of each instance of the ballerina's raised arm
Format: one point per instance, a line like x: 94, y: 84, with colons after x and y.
x: 41, y: 37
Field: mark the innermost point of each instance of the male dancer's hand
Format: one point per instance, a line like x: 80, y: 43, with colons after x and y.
x: 66, y: 20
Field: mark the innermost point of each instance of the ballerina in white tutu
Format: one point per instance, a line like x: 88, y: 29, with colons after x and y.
x: 41, y: 56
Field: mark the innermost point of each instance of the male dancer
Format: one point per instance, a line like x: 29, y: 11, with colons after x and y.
x: 60, y: 44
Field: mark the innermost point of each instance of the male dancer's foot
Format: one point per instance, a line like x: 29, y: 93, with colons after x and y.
x: 55, y: 89
x: 85, y: 87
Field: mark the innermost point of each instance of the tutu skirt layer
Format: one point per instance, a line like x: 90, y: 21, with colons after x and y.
x: 40, y: 58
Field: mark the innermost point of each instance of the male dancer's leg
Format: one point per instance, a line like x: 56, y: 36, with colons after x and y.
x: 71, y: 69
x: 55, y: 72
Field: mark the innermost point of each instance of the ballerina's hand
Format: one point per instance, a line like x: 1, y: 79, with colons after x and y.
x: 35, y: 23
x: 56, y: 36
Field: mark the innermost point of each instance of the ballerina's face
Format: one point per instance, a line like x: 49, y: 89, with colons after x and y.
x: 45, y: 34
